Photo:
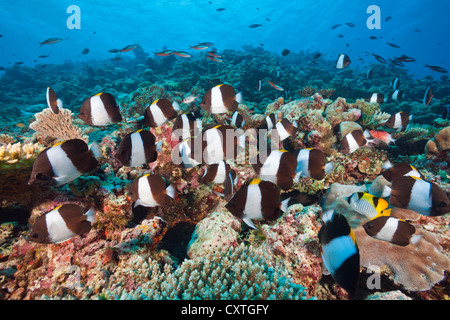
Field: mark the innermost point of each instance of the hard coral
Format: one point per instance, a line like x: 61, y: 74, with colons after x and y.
x: 237, y: 273
x: 294, y: 238
x: 219, y: 230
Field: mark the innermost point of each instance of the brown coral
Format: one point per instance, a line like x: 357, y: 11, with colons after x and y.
x: 417, y: 267
x: 57, y: 125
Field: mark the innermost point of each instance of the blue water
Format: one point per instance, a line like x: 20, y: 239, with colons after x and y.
x: 418, y: 27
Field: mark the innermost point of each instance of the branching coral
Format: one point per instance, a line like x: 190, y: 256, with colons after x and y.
x: 237, y: 273
x: 12, y: 153
x: 57, y: 125
x: 375, y: 120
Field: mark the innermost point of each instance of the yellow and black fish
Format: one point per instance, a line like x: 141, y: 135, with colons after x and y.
x: 368, y: 205
x: 340, y: 252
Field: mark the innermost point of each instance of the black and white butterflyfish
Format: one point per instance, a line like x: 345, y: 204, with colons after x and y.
x: 419, y: 195
x: 100, y: 110
x: 393, y: 230
x: 62, y: 163
x: 398, y: 95
x: 61, y: 224
x: 257, y: 200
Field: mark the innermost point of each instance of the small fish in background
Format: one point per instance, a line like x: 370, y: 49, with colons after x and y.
x: 397, y: 63
x: 213, y: 54
x: 20, y: 125
x: 336, y: 26
x: 379, y: 58
x: 62, y: 163
x: 236, y: 120
x: 317, y: 55
x: 221, y: 173
x: 190, y: 98
x: 116, y: 59
x: 312, y: 163
x: 393, y: 230
x: 61, y: 224
x: 398, y: 170
x: 206, y: 43
x: 18, y: 63
x: 350, y: 24
x: 436, y: 68
x: 368, y: 205
x: 151, y: 191
x: 114, y: 50
x: 388, y: 18
x: 419, y: 195
x: 369, y: 73
x: 52, y: 101
x: 285, y: 52
x: 399, y: 121
x: 188, y: 124
x: 221, y: 9
x: 214, y: 59
x: 382, y: 136
x: 343, y: 61
x: 44, y: 56
x: 259, y: 86
x: 221, y: 99
x: 85, y: 51
x: 340, y: 35
x: 279, y: 168
x: 199, y: 47
x: 163, y: 53
x: 373, y: 38
x: 257, y: 200
x: 340, y: 253
x: 375, y: 98
x: 159, y: 112
x: 100, y: 110
x: 275, y: 86
x: 137, y: 148
x: 393, y: 45
x: 405, y: 58
x: 428, y: 97
x: 128, y: 48
x: 395, y: 84
x: 51, y: 41
x: 352, y: 141
x: 255, y: 25
x: 398, y: 95
x: 182, y: 54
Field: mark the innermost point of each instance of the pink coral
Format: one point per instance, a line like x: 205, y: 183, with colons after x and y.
x: 294, y: 238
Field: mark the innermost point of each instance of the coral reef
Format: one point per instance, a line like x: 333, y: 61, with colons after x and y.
x: 132, y: 253
x: 57, y: 125
x: 234, y: 273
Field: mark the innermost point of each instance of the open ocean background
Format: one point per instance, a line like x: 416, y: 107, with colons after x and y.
x: 418, y: 27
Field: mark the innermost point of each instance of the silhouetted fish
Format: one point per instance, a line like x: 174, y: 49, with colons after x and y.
x: 393, y: 45
x: 436, y: 68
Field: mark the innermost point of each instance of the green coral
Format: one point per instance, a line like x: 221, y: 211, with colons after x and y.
x: 237, y: 273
